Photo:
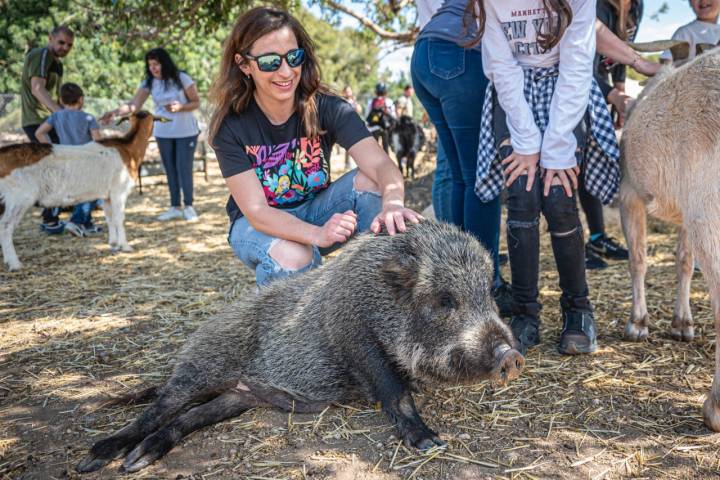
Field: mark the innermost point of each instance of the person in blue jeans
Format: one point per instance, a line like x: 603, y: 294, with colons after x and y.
x: 176, y: 97
x: 273, y: 129
x: 442, y: 187
x: 73, y: 126
x: 450, y: 83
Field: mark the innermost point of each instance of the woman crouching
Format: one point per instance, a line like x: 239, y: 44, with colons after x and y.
x: 273, y: 129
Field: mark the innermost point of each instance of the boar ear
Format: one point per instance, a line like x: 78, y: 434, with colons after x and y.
x: 401, y: 275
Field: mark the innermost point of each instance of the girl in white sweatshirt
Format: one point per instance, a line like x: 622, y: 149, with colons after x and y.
x: 544, y: 119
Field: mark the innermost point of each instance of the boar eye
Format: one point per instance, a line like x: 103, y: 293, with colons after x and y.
x: 446, y: 301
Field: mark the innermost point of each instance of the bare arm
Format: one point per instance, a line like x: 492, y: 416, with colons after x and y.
x: 95, y: 134
x: 193, y: 101
x: 611, y: 46
x: 134, y: 105
x: 376, y: 165
x: 248, y: 194
x: 42, y: 132
x: 37, y: 87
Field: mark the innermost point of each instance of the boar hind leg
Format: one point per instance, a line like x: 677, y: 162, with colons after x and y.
x: 179, y: 391
x: 227, y: 405
x: 390, y: 389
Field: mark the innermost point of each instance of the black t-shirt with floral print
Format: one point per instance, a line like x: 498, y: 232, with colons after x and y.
x: 290, y: 167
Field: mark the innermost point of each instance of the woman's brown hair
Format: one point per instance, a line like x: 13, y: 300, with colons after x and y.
x: 232, y: 90
x: 558, y: 11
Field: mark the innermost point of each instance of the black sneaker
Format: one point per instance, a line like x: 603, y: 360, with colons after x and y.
x: 579, y: 334
x: 503, y: 298
x: 526, y: 330
x: 607, y: 247
x: 592, y: 261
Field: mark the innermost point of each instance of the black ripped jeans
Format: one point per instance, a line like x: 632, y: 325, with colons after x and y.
x: 523, y: 232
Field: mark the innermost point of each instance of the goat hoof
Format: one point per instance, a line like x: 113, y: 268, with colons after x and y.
x: 14, y: 266
x: 711, y: 414
x: 636, y: 331
x: 682, y: 329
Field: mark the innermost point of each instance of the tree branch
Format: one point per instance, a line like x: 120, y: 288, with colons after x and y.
x: 406, y: 37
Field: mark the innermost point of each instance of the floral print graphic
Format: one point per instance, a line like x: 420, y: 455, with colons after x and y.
x: 290, y: 172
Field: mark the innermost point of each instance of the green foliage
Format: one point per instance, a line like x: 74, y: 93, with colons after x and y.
x: 112, y: 37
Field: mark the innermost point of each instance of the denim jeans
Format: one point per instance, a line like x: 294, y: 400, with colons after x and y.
x: 50, y: 215
x: 177, y: 156
x: 442, y: 187
x: 450, y: 83
x: 252, y: 247
x: 523, y: 231
x: 82, y: 213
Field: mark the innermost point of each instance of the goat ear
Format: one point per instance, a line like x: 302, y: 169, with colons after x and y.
x: 161, y: 119
x: 121, y: 120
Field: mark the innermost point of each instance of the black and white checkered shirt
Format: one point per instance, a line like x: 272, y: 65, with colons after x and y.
x: 602, y: 155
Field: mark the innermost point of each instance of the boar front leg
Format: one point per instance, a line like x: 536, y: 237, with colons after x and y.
x: 392, y: 391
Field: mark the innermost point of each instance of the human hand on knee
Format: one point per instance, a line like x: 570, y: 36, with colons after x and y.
x: 519, y: 164
x: 338, y: 229
x: 567, y: 177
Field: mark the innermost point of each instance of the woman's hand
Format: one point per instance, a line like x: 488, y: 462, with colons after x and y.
x: 393, y: 216
x: 621, y: 102
x: 338, y: 229
x: 107, y: 117
x: 567, y: 177
x: 174, y: 107
x: 646, y: 67
x: 519, y: 164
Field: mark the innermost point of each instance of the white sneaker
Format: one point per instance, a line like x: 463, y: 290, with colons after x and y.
x: 172, y: 213
x: 190, y: 214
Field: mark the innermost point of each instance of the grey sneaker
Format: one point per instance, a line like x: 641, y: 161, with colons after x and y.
x: 190, y: 214
x: 171, y: 214
x: 74, y: 229
x: 579, y: 333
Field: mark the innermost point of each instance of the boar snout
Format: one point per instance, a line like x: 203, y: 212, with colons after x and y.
x: 508, y: 364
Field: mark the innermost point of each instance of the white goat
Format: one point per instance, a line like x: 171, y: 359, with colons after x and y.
x: 62, y: 175
x: 671, y: 167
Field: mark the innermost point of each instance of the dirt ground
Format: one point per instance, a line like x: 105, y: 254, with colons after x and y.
x: 79, y: 325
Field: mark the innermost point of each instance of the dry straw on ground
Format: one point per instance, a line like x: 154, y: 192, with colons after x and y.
x: 79, y: 325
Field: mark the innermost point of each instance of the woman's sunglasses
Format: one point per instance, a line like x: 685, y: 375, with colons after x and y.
x: 270, y: 62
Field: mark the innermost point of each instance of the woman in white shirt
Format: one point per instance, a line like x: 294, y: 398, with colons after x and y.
x: 176, y: 97
x: 544, y: 119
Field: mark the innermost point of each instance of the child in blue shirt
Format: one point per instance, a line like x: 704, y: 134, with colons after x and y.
x: 73, y: 126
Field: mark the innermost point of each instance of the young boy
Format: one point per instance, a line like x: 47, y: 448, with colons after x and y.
x: 704, y: 29
x: 73, y: 127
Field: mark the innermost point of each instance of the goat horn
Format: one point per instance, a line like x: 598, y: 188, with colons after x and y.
x: 121, y: 120
x: 703, y: 47
x: 656, y: 46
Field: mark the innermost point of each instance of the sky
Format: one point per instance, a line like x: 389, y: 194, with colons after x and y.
x: 679, y: 13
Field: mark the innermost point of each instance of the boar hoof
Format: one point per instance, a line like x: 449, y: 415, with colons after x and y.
x: 682, y: 329
x: 711, y: 414
x: 102, y: 453
x: 152, y: 448
x: 423, y: 439
x: 636, y: 331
